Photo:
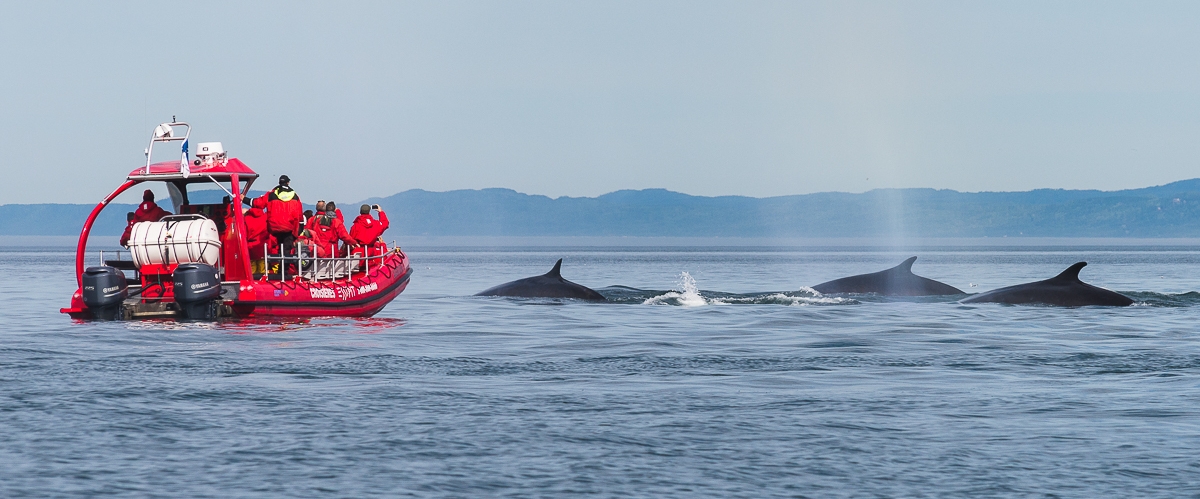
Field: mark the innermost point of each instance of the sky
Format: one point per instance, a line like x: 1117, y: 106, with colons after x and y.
x: 360, y: 99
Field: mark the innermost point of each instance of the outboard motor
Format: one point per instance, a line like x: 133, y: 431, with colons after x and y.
x: 197, y: 288
x: 104, y: 288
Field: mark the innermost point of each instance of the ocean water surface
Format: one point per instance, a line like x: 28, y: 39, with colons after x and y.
x: 714, y: 373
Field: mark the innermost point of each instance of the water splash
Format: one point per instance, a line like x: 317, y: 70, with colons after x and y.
x: 809, y: 291
x: 687, y: 295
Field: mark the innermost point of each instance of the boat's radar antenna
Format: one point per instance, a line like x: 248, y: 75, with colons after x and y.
x: 163, y: 131
x: 208, y: 152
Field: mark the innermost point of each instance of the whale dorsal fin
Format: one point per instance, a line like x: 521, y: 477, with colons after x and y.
x: 1072, y: 272
x: 556, y: 271
x: 905, y: 266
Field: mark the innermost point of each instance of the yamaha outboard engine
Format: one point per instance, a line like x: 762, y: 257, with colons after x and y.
x: 104, y: 288
x: 197, y: 288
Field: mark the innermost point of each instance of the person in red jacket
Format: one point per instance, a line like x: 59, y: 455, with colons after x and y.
x: 337, y: 211
x: 128, y: 229
x: 328, y: 230
x: 316, y: 239
x: 307, y: 242
x: 148, y: 211
x: 366, y: 230
x: 254, y: 227
x: 284, y: 212
x: 257, y: 237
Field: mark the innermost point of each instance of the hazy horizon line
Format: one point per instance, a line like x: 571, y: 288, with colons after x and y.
x: 778, y: 196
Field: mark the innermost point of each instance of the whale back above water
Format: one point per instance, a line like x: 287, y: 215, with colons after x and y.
x: 548, y: 285
x: 896, y: 281
x: 1063, y: 290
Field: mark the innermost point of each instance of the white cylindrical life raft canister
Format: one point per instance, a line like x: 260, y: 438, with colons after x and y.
x: 173, y: 241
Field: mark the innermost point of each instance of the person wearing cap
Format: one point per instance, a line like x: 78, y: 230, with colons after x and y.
x: 366, y: 230
x: 284, y: 212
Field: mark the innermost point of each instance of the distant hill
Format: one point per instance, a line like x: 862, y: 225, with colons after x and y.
x: 1171, y: 210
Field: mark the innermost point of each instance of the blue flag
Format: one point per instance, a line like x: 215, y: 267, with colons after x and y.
x: 183, y: 163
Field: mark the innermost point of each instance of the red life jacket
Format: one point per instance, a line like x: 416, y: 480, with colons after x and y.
x: 146, y: 212
x: 284, y: 210
x: 149, y: 212
x: 327, y: 231
x: 256, y: 232
x: 338, y: 228
x: 322, y: 236
x: 366, y: 229
x: 319, y: 235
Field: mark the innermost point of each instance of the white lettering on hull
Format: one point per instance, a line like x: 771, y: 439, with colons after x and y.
x: 343, y: 293
x: 321, y: 293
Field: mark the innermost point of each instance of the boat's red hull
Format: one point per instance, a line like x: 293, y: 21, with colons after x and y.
x: 363, y: 295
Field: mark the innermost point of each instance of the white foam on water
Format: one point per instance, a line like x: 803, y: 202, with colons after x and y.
x: 782, y: 299
x: 687, y: 295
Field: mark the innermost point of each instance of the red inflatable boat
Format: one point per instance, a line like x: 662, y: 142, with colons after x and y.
x: 192, y: 266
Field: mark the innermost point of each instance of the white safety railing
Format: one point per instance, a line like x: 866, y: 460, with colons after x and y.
x: 315, y: 268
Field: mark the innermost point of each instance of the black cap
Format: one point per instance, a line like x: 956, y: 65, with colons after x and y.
x: 283, y: 179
